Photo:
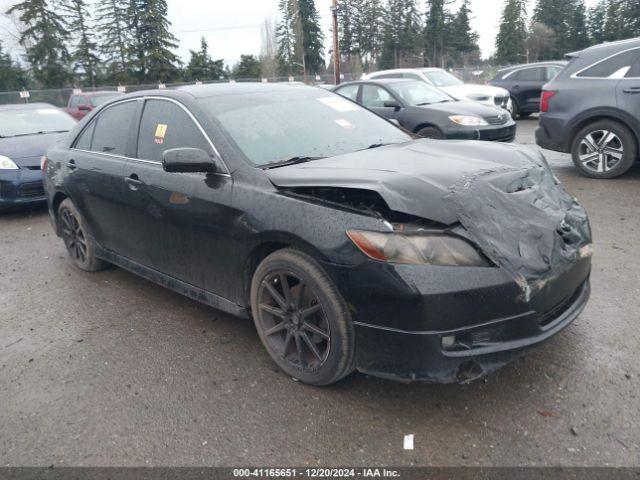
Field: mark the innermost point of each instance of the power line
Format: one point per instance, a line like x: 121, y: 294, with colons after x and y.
x: 236, y: 27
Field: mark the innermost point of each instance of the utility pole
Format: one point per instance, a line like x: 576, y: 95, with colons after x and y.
x: 336, y: 44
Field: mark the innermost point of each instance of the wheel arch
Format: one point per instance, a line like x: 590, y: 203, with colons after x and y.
x: 427, y: 125
x: 57, y: 199
x: 613, y: 115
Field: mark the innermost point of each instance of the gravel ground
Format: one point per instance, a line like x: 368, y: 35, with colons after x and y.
x: 109, y: 369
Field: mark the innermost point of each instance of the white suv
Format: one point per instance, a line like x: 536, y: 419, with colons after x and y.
x: 485, y: 94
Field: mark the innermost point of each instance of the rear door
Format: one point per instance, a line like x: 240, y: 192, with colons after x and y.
x: 527, y: 87
x: 96, y: 165
x: 628, y: 90
x: 180, y: 223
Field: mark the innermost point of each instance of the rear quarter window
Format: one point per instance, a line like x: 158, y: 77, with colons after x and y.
x: 616, y: 66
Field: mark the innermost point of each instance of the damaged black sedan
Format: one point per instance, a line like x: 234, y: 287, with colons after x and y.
x: 350, y: 245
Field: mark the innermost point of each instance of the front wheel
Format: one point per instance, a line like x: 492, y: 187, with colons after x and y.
x: 77, y: 239
x: 302, y: 319
x: 604, y: 149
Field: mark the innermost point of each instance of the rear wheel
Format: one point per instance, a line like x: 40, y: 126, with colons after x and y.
x: 604, y: 149
x: 302, y: 319
x: 430, y: 132
x: 514, y: 109
x: 77, y: 239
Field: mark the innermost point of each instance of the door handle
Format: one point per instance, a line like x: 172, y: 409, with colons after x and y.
x: 133, y: 181
x: 632, y: 90
x: 71, y: 164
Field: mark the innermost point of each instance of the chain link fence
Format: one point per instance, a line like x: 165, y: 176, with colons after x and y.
x: 60, y: 97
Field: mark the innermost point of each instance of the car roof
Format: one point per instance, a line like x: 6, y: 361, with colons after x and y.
x: 26, y: 106
x: 606, y: 48
x: 241, y: 88
x: 400, y: 70
x: 98, y: 92
x: 381, y: 81
x: 534, y: 64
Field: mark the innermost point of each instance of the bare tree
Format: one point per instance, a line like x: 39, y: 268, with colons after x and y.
x: 269, y: 49
x: 540, y: 40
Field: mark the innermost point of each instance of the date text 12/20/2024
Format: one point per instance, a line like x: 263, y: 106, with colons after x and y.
x: 315, y: 473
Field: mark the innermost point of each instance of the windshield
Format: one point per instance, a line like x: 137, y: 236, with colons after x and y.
x: 32, y: 121
x: 275, y: 126
x: 419, y: 93
x: 98, y: 100
x: 440, y: 78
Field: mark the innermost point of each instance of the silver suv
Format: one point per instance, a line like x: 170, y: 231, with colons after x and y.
x: 592, y: 109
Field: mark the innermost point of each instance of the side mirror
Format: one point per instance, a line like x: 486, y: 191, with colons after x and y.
x: 84, y: 108
x: 188, y: 160
x: 392, y: 104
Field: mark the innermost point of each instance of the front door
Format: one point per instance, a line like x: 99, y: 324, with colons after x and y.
x: 97, y: 163
x: 180, y: 223
x: 376, y: 98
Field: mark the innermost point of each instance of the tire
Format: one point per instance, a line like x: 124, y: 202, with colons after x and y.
x: 604, y: 149
x: 430, y: 132
x: 525, y: 114
x: 79, y: 242
x: 515, y: 111
x: 282, y: 323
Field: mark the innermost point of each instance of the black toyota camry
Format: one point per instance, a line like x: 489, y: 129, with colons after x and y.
x: 429, y: 112
x: 350, y: 245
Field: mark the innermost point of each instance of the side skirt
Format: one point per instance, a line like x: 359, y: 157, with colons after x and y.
x: 178, y: 286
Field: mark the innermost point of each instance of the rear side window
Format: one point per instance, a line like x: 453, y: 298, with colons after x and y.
x: 530, y: 75
x: 350, y: 91
x: 164, y: 126
x: 112, y: 129
x: 615, y: 67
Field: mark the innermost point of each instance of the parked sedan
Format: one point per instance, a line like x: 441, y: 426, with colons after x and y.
x: 26, y: 131
x: 429, y: 112
x: 448, y: 83
x: 348, y: 243
x: 525, y: 82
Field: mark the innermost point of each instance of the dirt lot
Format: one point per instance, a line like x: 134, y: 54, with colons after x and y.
x: 109, y: 369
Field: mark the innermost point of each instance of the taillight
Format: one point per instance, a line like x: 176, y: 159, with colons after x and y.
x: 544, y: 100
x: 43, y: 163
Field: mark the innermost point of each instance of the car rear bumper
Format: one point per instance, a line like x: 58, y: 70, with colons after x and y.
x: 402, y: 317
x: 21, y: 187
x: 552, y: 134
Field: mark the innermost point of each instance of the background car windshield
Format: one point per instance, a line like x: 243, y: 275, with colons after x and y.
x: 419, y: 93
x: 440, y: 78
x: 98, y: 100
x: 276, y: 126
x: 31, y: 121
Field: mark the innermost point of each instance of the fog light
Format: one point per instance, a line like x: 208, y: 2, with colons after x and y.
x: 448, y: 342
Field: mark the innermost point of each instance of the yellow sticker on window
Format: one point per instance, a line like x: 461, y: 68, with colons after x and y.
x: 161, y: 130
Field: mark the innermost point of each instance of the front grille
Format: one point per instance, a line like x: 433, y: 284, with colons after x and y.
x: 501, y: 101
x: 34, y: 167
x: 31, y: 190
x: 498, y: 119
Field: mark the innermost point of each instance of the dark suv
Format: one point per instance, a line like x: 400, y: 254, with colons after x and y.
x: 592, y: 109
x: 525, y: 82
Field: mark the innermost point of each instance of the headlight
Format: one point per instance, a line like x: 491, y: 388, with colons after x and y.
x: 7, y: 164
x: 468, y: 120
x: 418, y: 249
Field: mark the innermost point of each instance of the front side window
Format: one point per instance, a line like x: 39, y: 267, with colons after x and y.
x: 617, y: 66
x: 350, y: 91
x: 374, y: 96
x: 273, y: 126
x: 164, y: 126
x: 34, y: 121
x: 113, y: 128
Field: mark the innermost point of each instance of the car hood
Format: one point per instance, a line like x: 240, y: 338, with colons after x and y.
x: 505, y: 197
x: 463, y: 91
x: 463, y: 107
x: 26, y: 151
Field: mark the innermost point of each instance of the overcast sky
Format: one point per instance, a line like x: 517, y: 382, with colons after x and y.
x: 220, y: 21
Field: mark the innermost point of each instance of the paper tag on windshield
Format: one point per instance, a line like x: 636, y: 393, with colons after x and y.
x: 338, y: 104
x: 344, y: 123
x: 47, y: 111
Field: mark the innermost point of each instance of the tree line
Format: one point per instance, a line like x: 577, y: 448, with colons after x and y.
x: 559, y: 27
x: 109, y: 42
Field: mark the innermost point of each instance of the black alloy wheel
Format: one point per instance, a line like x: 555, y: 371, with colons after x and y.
x: 77, y: 239
x: 301, y: 318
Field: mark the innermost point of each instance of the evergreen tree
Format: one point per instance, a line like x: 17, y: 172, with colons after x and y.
x: 401, y: 37
x: 597, y: 17
x: 567, y: 19
x: 248, y: 68
x: 435, y: 33
x: 371, y: 19
x: 510, y: 42
x: 115, y: 39
x: 45, y: 37
x: 579, y: 32
x: 84, y: 56
x: 286, y: 38
x: 464, y: 41
x: 310, y: 39
x: 152, y: 41
x: 201, y: 66
x: 12, y: 76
